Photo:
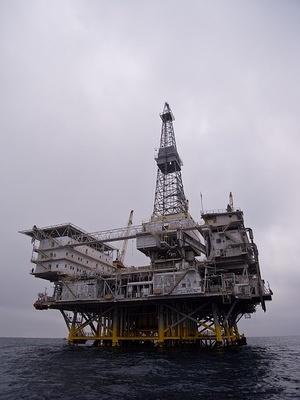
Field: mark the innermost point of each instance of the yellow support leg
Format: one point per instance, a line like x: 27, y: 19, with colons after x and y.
x: 115, y: 328
x: 160, y: 326
x: 218, y: 330
x: 72, y: 329
x: 71, y: 335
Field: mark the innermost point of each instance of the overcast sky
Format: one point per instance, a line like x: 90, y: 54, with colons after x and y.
x: 82, y: 86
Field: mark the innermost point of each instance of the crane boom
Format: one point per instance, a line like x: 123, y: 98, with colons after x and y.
x: 125, y: 243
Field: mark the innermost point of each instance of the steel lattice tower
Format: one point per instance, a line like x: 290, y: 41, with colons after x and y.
x: 169, y: 193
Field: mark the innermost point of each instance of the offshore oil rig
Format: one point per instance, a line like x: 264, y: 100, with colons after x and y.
x: 202, y: 278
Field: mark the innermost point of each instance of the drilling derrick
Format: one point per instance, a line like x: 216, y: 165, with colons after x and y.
x: 163, y: 239
x: 201, y: 278
x: 169, y: 193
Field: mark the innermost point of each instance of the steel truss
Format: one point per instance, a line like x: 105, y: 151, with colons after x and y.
x: 162, y: 324
x: 169, y: 193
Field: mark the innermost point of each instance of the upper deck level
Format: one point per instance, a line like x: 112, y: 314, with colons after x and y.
x: 58, y: 252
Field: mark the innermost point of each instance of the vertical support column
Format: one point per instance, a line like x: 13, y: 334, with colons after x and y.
x: 121, y: 309
x: 236, y: 331
x: 218, y: 330
x: 99, y: 326
x: 227, y: 331
x: 231, y: 332
x: 72, y: 328
x: 160, y: 325
x: 115, y: 327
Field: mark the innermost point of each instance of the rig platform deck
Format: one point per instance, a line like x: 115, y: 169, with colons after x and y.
x: 201, y: 280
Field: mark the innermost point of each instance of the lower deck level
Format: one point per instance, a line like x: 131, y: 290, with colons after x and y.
x: 169, y: 323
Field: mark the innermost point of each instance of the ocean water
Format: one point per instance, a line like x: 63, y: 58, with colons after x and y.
x: 268, y: 368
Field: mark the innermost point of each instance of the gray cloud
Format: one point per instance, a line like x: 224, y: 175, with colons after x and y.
x: 82, y: 84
